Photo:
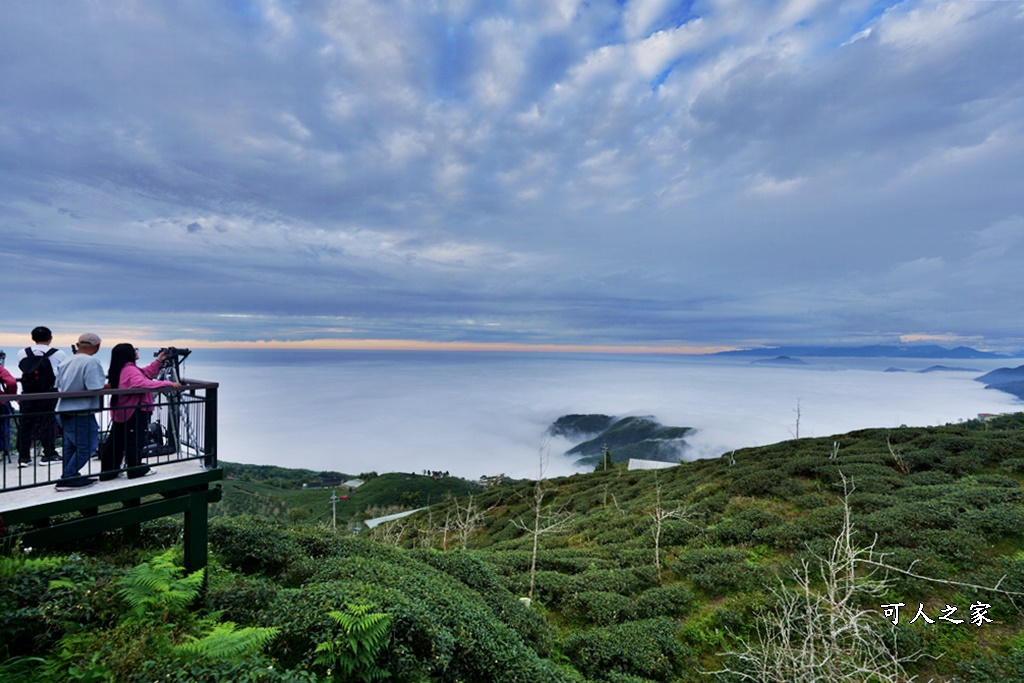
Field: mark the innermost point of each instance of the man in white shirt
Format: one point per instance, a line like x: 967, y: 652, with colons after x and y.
x: 37, y: 419
x: 77, y: 415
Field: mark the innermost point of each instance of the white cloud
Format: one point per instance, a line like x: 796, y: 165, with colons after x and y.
x: 816, y: 150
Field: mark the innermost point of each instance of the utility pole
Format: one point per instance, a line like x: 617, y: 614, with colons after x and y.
x: 334, y: 510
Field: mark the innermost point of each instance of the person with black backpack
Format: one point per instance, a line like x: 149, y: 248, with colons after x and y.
x: 38, y: 364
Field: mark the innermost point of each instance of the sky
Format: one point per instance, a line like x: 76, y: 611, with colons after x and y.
x: 548, y: 174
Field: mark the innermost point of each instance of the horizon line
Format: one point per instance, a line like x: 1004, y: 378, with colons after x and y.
x: 59, y: 341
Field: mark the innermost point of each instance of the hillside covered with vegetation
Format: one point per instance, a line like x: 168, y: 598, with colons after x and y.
x: 777, y: 563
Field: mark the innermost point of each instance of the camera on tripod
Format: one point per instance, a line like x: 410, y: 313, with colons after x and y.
x: 174, y: 353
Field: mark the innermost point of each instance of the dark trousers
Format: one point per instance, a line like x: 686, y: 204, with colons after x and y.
x: 123, y: 447
x: 37, y: 422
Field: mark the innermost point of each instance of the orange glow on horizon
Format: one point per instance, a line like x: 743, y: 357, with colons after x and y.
x: 422, y: 345
x: 146, y: 338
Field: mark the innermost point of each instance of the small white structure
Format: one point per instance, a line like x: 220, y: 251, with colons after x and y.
x: 637, y: 464
x: 370, y: 523
x: 352, y: 484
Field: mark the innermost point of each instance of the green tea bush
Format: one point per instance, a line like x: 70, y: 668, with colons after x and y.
x: 961, y: 549
x: 668, y: 601
x: 719, y: 571
x: 627, y: 582
x: 570, y: 560
x: 766, y: 482
x: 598, y: 607
x: 818, y: 523
x: 318, y: 541
x: 548, y: 587
x: 1003, y: 520
x: 467, y: 567
x: 441, y: 627
x: 869, y: 502
x: 931, y: 478
x: 741, y: 527
x: 814, y: 500
x: 241, y: 598
x: 508, y: 562
x: 253, y: 545
x: 998, y: 480
x: 258, y: 669
x: 42, y: 598
x: 649, y: 648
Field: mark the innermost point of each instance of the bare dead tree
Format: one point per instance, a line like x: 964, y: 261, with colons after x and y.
x: 819, y: 629
x: 545, y: 520
x: 463, y: 520
x: 897, y: 456
x: 659, y: 514
x: 797, y: 411
x: 390, y: 533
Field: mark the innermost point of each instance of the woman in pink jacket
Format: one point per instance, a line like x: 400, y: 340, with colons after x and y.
x: 129, y: 413
x: 8, y: 385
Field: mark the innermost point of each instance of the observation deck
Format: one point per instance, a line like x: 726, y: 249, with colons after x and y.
x: 180, y: 448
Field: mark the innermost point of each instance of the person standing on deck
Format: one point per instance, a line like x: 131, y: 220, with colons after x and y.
x: 82, y: 372
x: 130, y: 412
x: 37, y: 416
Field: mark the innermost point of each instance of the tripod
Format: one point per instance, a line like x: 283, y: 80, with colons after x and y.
x: 165, y: 439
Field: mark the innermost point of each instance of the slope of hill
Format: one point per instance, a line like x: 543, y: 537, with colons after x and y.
x: 634, y: 576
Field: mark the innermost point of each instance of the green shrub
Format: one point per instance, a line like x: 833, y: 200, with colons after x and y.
x: 718, y: 571
x: 598, y: 607
x: 468, y: 568
x: 628, y: 581
x: 741, y: 527
x: 441, y: 628
x: 648, y: 648
x: 765, y: 482
x: 42, y: 598
x: 241, y: 598
x: 253, y: 545
x: 667, y: 601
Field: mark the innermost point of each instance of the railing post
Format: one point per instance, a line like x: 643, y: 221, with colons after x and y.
x: 210, y: 429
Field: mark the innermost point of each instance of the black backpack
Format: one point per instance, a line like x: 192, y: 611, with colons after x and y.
x: 37, y: 372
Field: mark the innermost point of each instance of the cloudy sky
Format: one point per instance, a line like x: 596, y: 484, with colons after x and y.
x: 641, y: 173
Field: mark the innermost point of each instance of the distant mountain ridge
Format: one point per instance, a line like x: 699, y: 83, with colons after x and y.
x: 875, y: 351
x: 629, y: 437
x: 1009, y: 380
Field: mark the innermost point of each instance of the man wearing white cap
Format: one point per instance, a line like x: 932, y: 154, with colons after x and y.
x: 81, y: 372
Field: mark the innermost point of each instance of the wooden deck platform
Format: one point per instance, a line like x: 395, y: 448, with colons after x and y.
x: 19, y: 499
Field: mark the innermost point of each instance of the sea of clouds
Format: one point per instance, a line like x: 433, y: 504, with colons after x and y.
x: 483, y: 413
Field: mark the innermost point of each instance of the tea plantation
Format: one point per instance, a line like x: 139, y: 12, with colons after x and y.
x: 877, y: 555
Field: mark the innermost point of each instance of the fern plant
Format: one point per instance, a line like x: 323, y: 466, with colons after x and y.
x: 352, y: 654
x: 226, y: 642
x: 156, y: 588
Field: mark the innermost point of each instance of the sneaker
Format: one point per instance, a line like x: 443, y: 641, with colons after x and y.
x: 24, y: 463
x: 148, y: 473
x: 74, y: 484
x: 51, y: 458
